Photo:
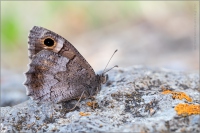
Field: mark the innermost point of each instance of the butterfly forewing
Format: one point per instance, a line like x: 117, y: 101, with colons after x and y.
x: 57, y: 72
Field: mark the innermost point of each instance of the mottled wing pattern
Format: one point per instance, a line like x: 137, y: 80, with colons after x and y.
x: 58, y: 72
x: 40, y: 76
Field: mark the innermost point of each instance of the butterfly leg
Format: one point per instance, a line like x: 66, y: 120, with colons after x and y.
x: 78, y: 101
x: 92, y: 95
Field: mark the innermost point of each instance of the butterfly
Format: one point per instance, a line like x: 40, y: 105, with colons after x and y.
x: 57, y: 71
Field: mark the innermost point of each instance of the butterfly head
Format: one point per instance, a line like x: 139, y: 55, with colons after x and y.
x: 100, y: 79
x: 103, y: 78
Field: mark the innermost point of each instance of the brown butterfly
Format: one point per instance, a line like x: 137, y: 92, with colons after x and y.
x: 58, y: 72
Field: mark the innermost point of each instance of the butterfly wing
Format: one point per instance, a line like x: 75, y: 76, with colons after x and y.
x: 57, y: 72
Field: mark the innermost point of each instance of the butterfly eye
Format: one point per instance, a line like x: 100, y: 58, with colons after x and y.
x: 49, y: 42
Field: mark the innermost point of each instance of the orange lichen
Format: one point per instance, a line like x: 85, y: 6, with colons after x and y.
x: 89, y: 104
x: 166, y: 92
x: 92, y: 104
x: 178, y: 95
x: 187, y: 109
x: 83, y: 114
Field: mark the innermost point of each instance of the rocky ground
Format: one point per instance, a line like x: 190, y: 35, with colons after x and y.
x: 12, y: 89
x: 131, y: 101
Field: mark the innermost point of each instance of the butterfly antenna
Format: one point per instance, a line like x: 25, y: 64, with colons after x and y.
x: 110, y: 69
x: 109, y: 62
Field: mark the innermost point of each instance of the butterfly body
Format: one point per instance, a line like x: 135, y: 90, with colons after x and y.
x: 58, y: 72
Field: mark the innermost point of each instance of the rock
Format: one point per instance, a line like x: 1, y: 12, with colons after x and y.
x: 11, y: 96
x: 131, y: 100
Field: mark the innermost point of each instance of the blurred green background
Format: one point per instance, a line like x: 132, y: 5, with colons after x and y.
x: 97, y: 28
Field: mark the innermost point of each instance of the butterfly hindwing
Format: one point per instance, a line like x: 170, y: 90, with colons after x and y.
x: 57, y: 72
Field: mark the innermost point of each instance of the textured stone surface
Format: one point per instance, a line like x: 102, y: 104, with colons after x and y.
x: 130, y: 101
x: 12, y: 89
